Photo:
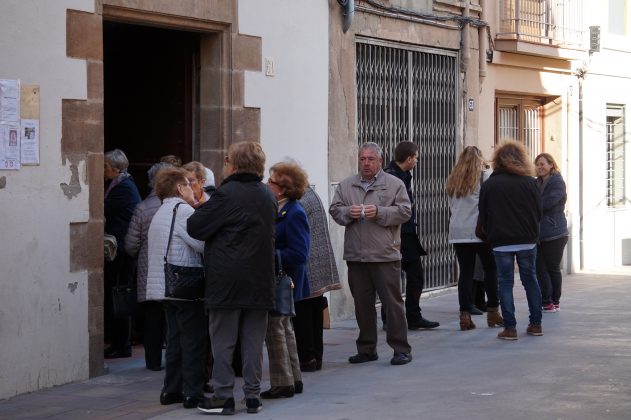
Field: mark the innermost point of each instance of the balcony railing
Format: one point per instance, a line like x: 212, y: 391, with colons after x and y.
x: 549, y: 22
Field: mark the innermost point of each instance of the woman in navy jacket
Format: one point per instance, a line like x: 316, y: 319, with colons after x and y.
x: 120, y: 200
x: 288, y: 182
x: 553, y: 233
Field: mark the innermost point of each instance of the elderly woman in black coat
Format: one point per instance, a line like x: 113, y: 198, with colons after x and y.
x: 121, y: 198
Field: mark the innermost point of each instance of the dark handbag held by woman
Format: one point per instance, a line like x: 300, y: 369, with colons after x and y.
x: 123, y: 301
x: 284, y: 290
x: 182, y: 282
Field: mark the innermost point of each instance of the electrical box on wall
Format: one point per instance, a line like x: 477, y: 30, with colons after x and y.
x: 594, y: 39
x: 270, y: 69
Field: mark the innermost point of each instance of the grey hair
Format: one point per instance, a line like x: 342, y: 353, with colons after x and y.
x: 374, y: 146
x: 117, y: 160
x: 155, y: 168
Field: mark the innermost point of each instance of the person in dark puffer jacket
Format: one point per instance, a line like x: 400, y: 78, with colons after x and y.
x: 553, y: 233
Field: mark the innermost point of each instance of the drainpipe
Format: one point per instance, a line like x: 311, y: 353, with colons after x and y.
x: 348, y: 10
x: 466, y: 54
x: 581, y: 77
x: 482, y: 42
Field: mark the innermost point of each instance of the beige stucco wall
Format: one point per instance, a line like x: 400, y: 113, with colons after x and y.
x: 43, y: 306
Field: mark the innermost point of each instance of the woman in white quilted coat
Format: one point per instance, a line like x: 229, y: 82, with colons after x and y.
x: 186, y: 323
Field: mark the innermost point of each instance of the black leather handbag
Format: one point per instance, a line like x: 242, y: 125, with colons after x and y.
x: 182, y: 282
x: 123, y: 301
x: 284, y: 304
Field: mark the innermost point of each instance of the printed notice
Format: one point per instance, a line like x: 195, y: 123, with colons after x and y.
x: 29, y: 148
x: 9, y: 102
x: 9, y: 147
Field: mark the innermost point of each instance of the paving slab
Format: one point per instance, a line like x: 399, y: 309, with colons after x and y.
x: 579, y: 369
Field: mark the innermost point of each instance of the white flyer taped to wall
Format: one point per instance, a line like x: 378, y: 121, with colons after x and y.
x: 29, y: 148
x: 9, y: 147
x: 9, y: 102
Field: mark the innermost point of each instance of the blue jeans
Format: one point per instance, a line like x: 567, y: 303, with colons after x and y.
x: 526, y: 260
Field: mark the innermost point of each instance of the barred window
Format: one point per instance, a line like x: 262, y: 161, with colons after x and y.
x: 615, y: 155
x: 519, y: 118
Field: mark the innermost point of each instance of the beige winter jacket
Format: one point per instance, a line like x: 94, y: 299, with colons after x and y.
x: 379, y: 239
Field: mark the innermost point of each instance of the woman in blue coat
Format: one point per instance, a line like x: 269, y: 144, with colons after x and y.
x: 288, y: 182
x: 120, y: 200
x: 553, y: 233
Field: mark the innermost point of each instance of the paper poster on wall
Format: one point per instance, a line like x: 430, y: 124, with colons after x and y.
x: 9, y: 102
x: 9, y: 147
x: 29, y: 148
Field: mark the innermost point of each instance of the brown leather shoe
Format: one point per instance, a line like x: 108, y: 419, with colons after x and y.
x: 278, y: 392
x: 465, y: 321
x: 535, y: 330
x: 493, y: 317
x: 508, y: 334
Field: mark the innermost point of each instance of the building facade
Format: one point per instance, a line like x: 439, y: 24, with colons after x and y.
x: 151, y: 78
x: 310, y: 81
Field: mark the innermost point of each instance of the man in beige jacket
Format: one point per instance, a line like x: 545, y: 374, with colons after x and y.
x: 372, y: 205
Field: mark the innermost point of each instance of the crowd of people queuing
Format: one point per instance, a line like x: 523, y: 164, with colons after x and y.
x: 238, y: 230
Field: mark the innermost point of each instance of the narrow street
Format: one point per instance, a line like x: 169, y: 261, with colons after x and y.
x: 579, y: 369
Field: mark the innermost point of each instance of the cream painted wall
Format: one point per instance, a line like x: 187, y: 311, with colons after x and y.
x: 43, y: 307
x: 294, y: 103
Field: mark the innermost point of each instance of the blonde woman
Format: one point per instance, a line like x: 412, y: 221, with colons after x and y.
x: 198, y: 181
x: 463, y: 188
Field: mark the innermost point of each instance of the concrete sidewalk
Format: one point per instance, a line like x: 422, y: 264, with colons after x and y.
x: 579, y: 369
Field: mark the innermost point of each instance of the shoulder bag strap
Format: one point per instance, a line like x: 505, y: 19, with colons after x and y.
x: 171, y: 231
x: 279, y: 263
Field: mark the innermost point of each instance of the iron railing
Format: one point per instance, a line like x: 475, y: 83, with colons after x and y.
x: 407, y: 93
x: 550, y: 22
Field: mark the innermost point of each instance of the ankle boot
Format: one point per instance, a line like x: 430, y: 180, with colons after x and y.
x: 465, y: 321
x: 493, y: 317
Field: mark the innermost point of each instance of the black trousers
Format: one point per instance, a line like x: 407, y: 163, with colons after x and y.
x: 117, y: 330
x: 466, y: 253
x: 414, y: 281
x: 549, y: 256
x: 186, y: 354
x: 154, y: 329
x: 413, y: 288
x: 308, y: 326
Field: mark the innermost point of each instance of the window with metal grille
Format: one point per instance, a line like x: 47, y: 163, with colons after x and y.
x: 411, y: 93
x: 520, y: 119
x: 615, y: 156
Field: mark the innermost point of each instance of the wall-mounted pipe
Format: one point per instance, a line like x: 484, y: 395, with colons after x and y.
x: 348, y: 10
x: 466, y: 54
x: 482, y: 47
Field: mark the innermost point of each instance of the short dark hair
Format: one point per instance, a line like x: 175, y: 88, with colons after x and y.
x: 167, y: 180
x: 404, y: 150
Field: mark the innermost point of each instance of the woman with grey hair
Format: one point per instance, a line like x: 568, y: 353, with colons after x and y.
x: 136, y: 245
x: 121, y: 198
